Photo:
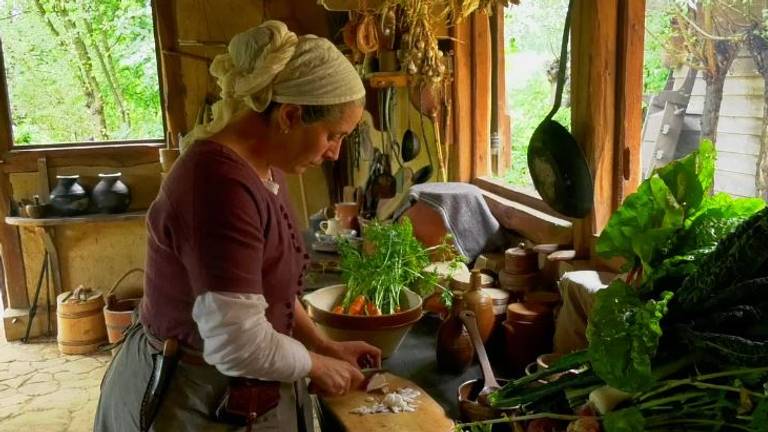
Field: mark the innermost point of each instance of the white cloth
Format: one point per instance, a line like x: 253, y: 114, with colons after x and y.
x: 239, y: 341
x: 577, y: 289
x: 270, y: 63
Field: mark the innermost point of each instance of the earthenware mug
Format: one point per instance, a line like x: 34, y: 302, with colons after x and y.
x: 330, y: 226
x: 346, y: 214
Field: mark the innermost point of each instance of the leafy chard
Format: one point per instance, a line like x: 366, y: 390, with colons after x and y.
x: 623, y: 335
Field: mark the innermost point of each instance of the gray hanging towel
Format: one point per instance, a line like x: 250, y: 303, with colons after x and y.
x: 465, y: 214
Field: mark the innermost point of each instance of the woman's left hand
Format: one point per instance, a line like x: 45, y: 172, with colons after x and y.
x: 357, y: 353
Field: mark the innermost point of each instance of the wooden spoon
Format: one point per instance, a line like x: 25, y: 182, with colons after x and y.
x: 490, y: 384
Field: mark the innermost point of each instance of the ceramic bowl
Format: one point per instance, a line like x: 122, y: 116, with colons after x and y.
x: 383, y: 331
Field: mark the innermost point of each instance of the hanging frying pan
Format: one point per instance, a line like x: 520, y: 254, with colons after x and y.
x: 557, y: 164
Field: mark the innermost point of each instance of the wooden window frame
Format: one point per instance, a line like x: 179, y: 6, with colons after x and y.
x: 17, y: 156
x: 607, y: 78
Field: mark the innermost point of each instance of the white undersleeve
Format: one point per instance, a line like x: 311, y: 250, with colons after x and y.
x: 239, y: 341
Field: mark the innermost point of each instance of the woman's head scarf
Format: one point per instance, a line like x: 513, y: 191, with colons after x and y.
x: 270, y: 63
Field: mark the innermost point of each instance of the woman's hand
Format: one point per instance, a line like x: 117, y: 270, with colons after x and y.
x: 357, y: 353
x: 333, y: 377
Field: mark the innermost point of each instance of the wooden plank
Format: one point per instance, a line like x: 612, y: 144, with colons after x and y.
x: 532, y: 224
x: 173, y: 89
x: 429, y: 416
x: 530, y: 199
x: 740, y: 125
x: 735, y: 106
x: 737, y: 143
x: 593, y: 105
x: 481, y: 95
x: 629, y: 98
x: 503, y: 117
x: 116, y: 156
x: 736, y: 163
x: 462, y: 100
x: 43, y: 182
x: 92, y: 218
x: 15, y: 293
x: 735, y: 183
x: 734, y: 86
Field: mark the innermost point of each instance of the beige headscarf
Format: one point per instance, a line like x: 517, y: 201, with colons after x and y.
x: 270, y: 63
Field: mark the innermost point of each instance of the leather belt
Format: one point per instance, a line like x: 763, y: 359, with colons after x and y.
x: 184, y: 354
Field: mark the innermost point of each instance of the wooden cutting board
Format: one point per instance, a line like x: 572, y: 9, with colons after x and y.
x: 428, y: 417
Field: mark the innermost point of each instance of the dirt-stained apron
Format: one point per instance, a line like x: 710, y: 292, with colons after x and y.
x: 191, y: 397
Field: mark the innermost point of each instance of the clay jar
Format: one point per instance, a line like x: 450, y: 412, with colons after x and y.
x: 454, y: 351
x: 481, y: 304
x: 68, y: 198
x: 110, y: 195
x: 346, y: 214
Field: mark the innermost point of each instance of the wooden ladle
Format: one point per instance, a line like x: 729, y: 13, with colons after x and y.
x: 490, y: 384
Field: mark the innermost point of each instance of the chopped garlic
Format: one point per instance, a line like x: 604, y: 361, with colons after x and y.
x: 402, y: 400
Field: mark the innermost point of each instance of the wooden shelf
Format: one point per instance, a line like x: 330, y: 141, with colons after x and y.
x: 91, y: 218
x: 387, y: 79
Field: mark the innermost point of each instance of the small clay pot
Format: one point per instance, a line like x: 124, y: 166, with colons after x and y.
x: 470, y: 410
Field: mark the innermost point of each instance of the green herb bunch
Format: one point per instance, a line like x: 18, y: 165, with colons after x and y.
x: 391, y: 259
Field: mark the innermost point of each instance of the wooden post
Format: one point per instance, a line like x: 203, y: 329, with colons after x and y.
x: 173, y: 89
x: 481, y: 95
x: 502, y: 117
x: 629, y: 96
x: 593, y: 105
x: 15, y: 295
x: 462, y: 101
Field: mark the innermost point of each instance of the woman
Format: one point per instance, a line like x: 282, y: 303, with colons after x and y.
x: 225, y: 260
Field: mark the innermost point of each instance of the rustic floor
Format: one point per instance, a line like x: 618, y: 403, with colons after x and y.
x: 42, y: 390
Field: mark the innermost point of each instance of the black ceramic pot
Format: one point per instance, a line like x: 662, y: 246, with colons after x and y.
x: 110, y: 195
x: 68, y: 198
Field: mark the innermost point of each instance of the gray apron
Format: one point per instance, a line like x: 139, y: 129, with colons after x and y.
x: 190, y: 399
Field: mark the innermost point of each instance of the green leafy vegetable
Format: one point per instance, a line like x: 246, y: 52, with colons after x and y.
x: 394, y: 260
x: 626, y: 420
x: 623, y: 335
x: 760, y: 417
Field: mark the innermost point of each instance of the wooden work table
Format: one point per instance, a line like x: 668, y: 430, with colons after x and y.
x: 415, y: 358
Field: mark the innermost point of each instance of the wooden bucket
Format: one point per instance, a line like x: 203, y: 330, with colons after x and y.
x: 118, y: 312
x: 80, y: 322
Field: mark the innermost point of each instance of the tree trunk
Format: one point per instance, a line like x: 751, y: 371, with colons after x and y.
x: 714, y: 76
x: 83, y: 71
x: 758, y: 47
x: 111, y: 78
x: 81, y: 50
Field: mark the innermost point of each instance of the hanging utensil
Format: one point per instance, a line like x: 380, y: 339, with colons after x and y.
x: 424, y: 173
x: 489, y: 380
x: 385, y: 185
x: 557, y: 164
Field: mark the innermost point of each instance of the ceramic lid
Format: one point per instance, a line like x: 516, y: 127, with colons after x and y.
x: 520, y: 251
x: 526, y: 312
x: 460, y: 281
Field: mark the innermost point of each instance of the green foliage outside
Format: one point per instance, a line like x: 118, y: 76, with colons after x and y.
x: 533, y: 32
x: 81, y: 71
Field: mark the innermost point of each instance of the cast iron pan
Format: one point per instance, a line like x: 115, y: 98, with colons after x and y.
x: 556, y: 161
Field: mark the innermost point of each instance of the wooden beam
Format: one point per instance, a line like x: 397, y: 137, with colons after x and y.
x: 461, y: 154
x: 23, y: 160
x: 530, y: 223
x: 593, y: 105
x: 173, y: 89
x: 481, y: 94
x: 629, y: 96
x: 503, y: 118
x: 15, y: 295
x: 501, y: 188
